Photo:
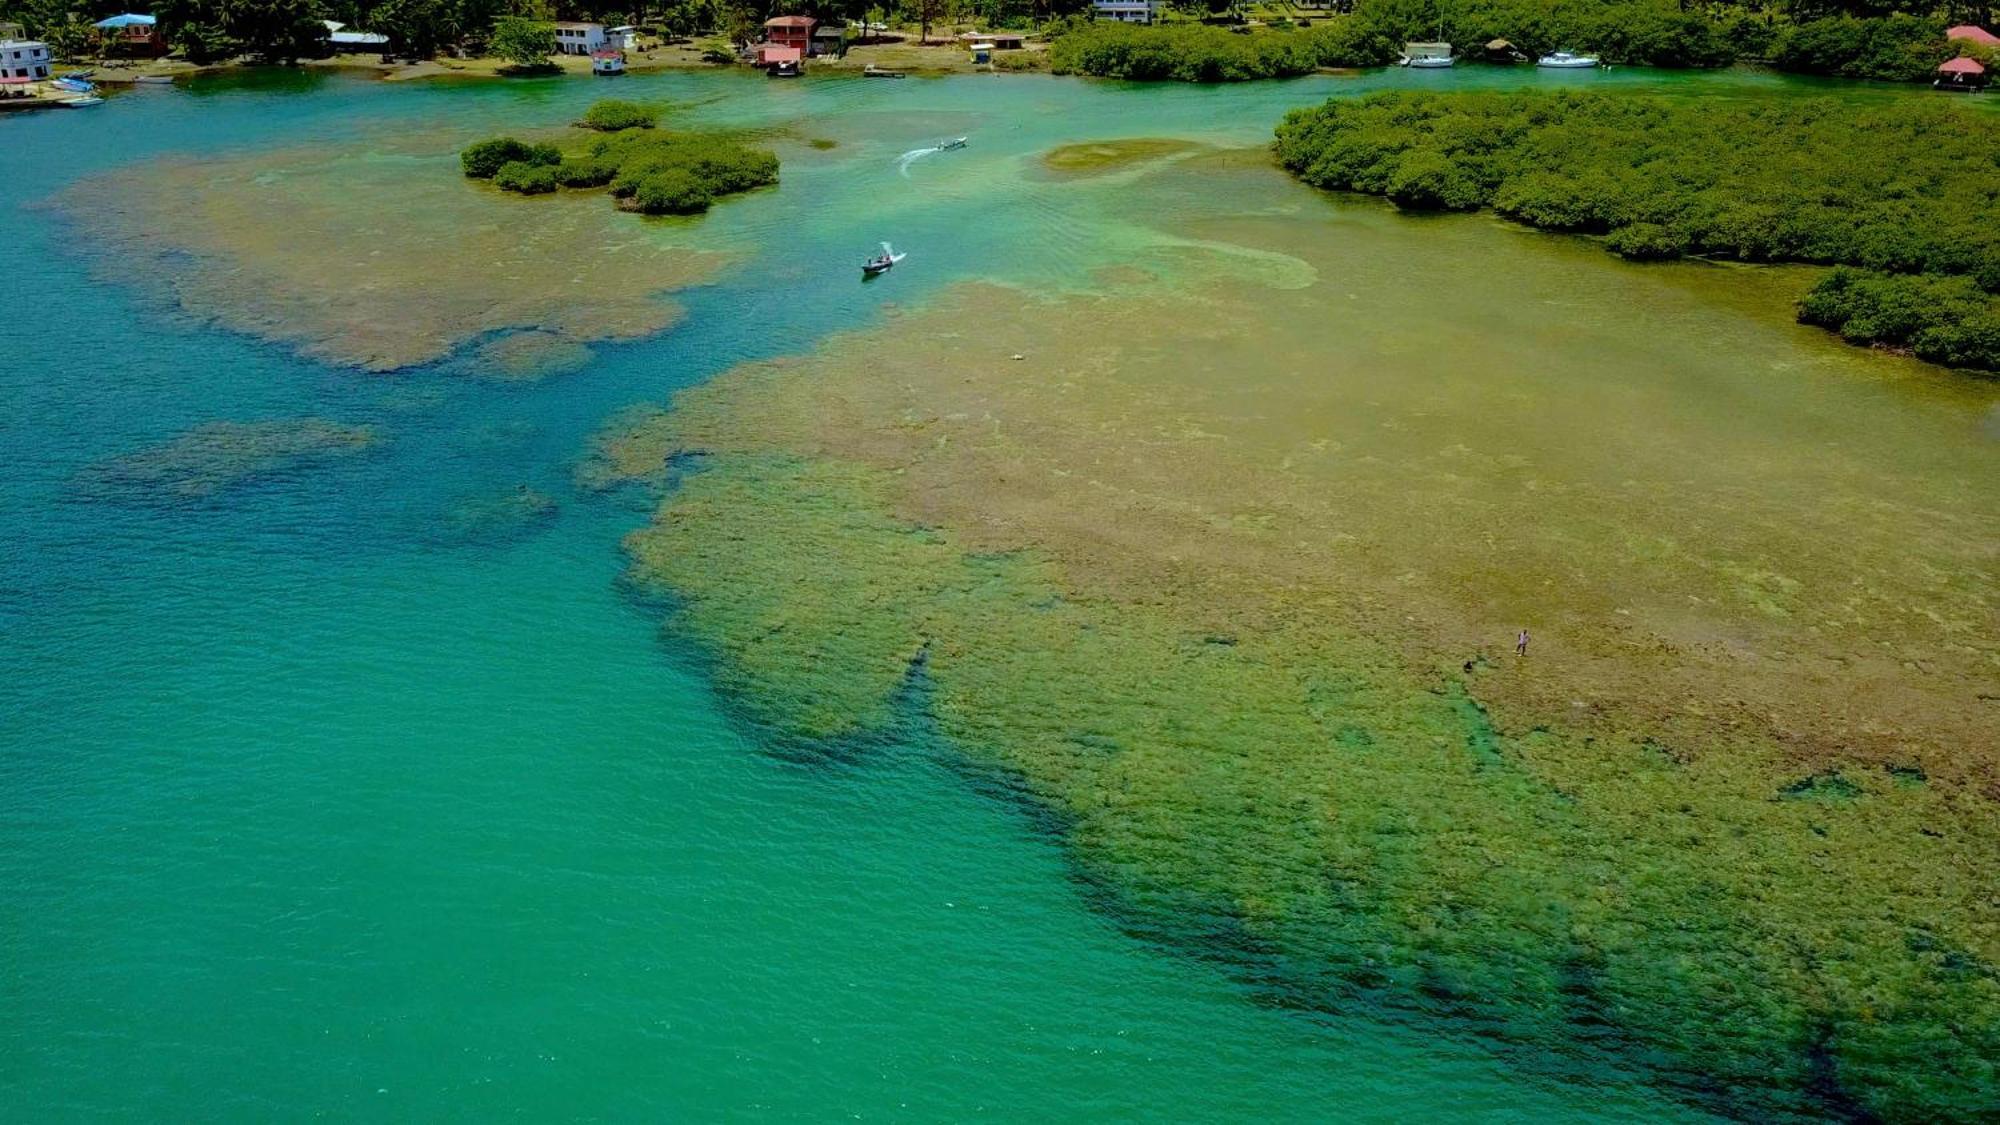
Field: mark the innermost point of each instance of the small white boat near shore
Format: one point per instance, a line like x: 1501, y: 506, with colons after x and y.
x: 1430, y: 63
x: 1563, y: 60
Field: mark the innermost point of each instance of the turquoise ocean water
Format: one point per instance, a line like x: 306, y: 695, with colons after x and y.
x: 310, y: 808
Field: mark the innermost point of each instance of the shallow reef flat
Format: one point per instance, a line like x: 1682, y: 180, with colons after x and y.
x: 1226, y: 573
x: 218, y: 455
x: 281, y: 250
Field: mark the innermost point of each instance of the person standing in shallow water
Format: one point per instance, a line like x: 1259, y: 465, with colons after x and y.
x: 1521, y: 644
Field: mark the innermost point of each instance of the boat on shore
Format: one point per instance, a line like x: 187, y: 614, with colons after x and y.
x: 83, y: 102
x: 74, y: 85
x: 881, y: 263
x: 1563, y: 60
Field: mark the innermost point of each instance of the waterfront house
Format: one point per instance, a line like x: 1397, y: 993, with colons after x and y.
x: 1001, y: 40
x: 348, y: 42
x: 25, y: 60
x: 1972, y: 33
x: 1126, y: 11
x: 790, y: 31
x: 577, y: 38
x: 133, y: 33
x: 624, y: 37
x: 829, y: 39
x: 780, y: 62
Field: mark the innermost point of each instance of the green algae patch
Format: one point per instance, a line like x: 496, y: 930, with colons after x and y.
x: 527, y: 357
x: 1096, y: 158
x: 634, y: 447
x: 283, y: 252
x: 218, y: 455
x: 498, y: 517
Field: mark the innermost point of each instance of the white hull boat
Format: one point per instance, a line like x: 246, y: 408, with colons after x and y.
x: 1563, y: 60
x: 881, y: 263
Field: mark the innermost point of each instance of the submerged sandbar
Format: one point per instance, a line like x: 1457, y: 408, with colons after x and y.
x: 379, y: 256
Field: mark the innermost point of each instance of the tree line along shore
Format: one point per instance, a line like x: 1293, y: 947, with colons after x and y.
x: 1198, y: 40
x: 1901, y: 196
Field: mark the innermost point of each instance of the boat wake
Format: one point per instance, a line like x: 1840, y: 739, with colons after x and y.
x: 904, y: 161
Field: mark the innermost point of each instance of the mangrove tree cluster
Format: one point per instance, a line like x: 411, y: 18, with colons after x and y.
x: 652, y: 171
x: 1892, y: 189
x: 1199, y: 53
x: 1879, y: 42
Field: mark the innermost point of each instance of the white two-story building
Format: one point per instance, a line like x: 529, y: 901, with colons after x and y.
x: 24, y: 58
x: 1126, y: 11
x: 574, y: 38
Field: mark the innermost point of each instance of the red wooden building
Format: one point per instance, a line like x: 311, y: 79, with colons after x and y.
x: 790, y: 31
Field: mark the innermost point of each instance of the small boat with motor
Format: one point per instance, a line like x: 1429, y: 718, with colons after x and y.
x: 1430, y: 62
x: 881, y: 263
x: 73, y: 85
x: 947, y: 146
x: 83, y: 102
x: 1563, y: 60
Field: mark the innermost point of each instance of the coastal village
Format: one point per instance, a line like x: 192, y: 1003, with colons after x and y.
x: 75, y: 69
x: 134, y: 48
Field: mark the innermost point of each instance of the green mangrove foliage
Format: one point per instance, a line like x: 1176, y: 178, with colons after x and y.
x: 648, y: 170
x: 613, y: 115
x: 1648, y: 32
x: 483, y: 160
x: 1944, y: 320
x: 1895, y: 48
x: 1907, y: 189
x: 1898, y: 46
x: 1197, y: 53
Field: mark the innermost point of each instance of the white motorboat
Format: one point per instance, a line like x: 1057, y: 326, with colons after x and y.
x: 1563, y: 60
x: 1431, y: 62
x: 881, y: 263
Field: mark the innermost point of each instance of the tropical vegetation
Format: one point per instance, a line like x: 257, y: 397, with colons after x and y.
x: 652, y: 171
x: 1199, y: 53
x: 1946, y: 320
x: 1890, y: 39
x: 1897, y: 189
x: 612, y: 115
